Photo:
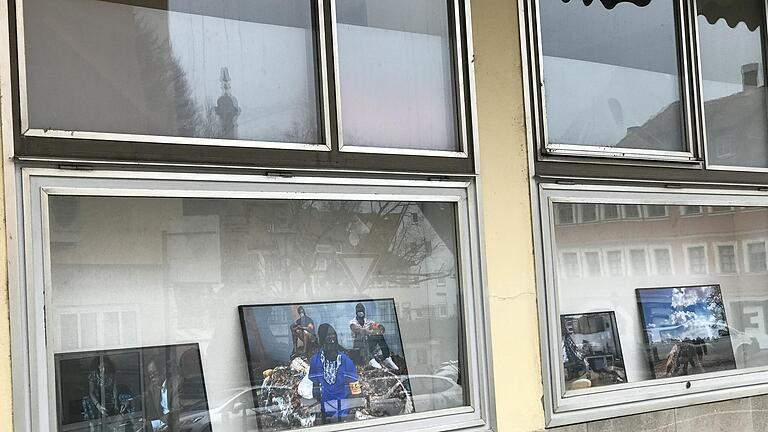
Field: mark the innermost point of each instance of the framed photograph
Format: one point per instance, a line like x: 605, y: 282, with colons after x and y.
x: 130, y: 390
x: 340, y: 361
x: 686, y: 330
x: 591, y: 350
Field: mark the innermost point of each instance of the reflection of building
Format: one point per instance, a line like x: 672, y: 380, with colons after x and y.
x: 607, y: 251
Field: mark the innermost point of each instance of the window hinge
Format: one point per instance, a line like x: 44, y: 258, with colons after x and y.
x: 282, y: 174
x: 75, y: 167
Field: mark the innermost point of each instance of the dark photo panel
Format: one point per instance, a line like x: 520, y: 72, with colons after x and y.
x: 591, y: 350
x: 341, y: 361
x: 686, y: 331
x: 130, y: 390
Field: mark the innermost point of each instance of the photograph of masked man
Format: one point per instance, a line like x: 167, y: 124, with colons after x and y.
x: 334, y: 377
x: 368, y: 337
x: 161, y: 399
x: 303, y: 334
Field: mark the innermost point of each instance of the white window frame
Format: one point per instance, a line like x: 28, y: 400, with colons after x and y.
x: 585, y: 271
x: 699, y: 213
x: 582, y: 219
x: 654, y: 263
x: 639, y: 213
x: 604, y: 217
x: 686, y: 253
x: 578, y: 274
x: 747, y: 265
x: 647, y: 213
x: 623, y: 270
x: 565, y: 407
x: 34, y: 371
x: 574, y: 215
x: 718, y: 263
x: 630, y: 266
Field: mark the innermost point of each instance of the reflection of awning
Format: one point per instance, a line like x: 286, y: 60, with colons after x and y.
x: 750, y: 12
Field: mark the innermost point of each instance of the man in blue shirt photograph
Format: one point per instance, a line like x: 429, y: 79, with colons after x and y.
x: 334, y: 375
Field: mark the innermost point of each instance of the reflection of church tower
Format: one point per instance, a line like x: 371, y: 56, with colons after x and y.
x: 226, y: 107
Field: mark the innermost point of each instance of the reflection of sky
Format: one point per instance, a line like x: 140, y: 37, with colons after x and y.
x: 679, y: 313
x: 271, y: 68
x: 273, y: 323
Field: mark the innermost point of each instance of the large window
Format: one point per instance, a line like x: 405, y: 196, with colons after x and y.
x: 681, y: 322
x: 238, y: 306
x: 611, y: 75
x: 679, y: 81
x: 246, y: 82
x: 657, y: 108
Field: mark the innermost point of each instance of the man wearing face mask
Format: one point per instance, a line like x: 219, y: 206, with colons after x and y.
x: 333, y: 374
x: 369, y: 335
x: 302, y: 330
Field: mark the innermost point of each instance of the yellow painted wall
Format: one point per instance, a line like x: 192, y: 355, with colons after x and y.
x: 507, y: 218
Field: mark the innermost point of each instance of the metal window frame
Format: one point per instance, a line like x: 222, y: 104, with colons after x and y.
x: 570, y: 407
x: 323, y: 103
x: 460, y: 97
x: 49, y: 143
x: 33, y: 368
x: 699, y: 86
x: 531, y: 39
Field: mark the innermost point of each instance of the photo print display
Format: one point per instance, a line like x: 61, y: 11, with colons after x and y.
x: 130, y: 390
x: 686, y: 330
x: 336, y: 361
x: 591, y: 350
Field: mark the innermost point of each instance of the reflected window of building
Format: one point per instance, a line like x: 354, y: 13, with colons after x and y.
x: 726, y: 258
x: 611, y: 74
x: 615, y: 262
x: 662, y: 259
x: 697, y: 259
x: 690, y: 210
x: 610, y: 212
x: 655, y: 211
x: 570, y: 264
x: 638, y: 262
x: 588, y: 212
x: 756, y: 257
x: 592, y: 264
x: 631, y: 211
x: 566, y: 214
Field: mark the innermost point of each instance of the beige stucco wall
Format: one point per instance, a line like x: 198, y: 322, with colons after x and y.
x: 507, y: 218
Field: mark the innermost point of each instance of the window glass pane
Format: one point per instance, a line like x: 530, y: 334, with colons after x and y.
x: 674, y: 314
x: 611, y: 75
x: 756, y: 256
x: 143, y: 314
x: 663, y: 261
x: 592, y: 262
x: 726, y: 255
x: 731, y: 43
x: 396, y: 74
x: 215, y: 69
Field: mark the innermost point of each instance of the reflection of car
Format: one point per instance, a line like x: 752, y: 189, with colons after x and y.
x: 237, y: 410
x: 429, y: 393
x: 433, y: 392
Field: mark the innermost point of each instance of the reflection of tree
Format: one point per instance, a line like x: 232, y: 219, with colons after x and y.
x: 164, y: 80
x: 395, y: 231
x: 714, y: 302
